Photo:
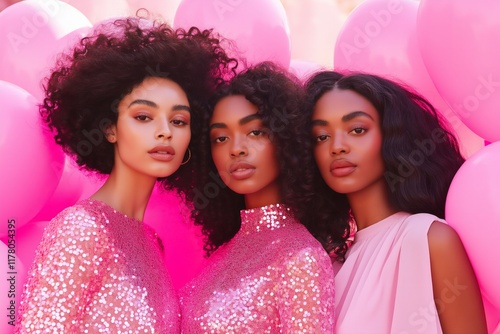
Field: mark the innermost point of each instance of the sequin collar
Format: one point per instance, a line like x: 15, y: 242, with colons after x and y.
x: 269, y: 217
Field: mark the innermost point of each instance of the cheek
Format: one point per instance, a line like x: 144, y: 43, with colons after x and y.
x: 218, y: 157
x: 269, y: 156
x: 321, y: 155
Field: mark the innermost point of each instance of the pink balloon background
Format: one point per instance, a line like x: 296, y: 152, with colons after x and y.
x: 446, y: 50
x: 459, y: 44
x: 29, y: 171
x: 33, y: 33
x: 472, y: 209
x: 304, y: 69
x: 259, y: 28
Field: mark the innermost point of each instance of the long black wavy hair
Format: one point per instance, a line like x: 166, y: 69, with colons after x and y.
x: 279, y: 98
x: 420, y: 154
x: 84, y: 88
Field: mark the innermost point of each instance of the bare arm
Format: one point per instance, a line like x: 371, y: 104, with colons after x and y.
x: 456, y: 291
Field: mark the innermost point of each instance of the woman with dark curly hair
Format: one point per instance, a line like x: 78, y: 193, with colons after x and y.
x: 266, y: 272
x: 126, y: 102
x: 386, y: 158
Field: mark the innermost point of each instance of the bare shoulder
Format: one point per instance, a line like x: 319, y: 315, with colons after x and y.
x: 443, y: 238
x: 455, y: 287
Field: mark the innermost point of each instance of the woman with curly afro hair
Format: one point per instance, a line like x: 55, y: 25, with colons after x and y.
x: 385, y: 162
x: 126, y: 102
x: 266, y: 272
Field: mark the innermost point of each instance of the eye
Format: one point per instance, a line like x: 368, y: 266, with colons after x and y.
x: 321, y: 138
x: 256, y: 133
x: 142, y: 118
x: 358, y: 131
x: 220, y: 139
x: 179, y: 122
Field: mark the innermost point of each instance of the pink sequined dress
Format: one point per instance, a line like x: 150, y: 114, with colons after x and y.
x: 272, y: 277
x: 98, y: 271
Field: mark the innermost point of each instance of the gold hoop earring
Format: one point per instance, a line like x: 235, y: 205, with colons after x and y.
x: 189, y: 157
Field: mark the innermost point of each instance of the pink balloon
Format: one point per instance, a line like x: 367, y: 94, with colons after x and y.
x: 29, y: 171
x: 68, y: 191
x: 380, y: 37
x: 11, y: 284
x: 459, y: 44
x: 314, y: 26
x: 472, y: 209
x: 182, y: 240
x: 259, y: 28
x: 98, y: 10
x: 33, y: 33
x: 303, y: 68
x: 492, y: 316
x: 164, y: 9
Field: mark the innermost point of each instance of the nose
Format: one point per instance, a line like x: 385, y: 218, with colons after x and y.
x: 239, y: 147
x: 339, y: 144
x: 163, y: 130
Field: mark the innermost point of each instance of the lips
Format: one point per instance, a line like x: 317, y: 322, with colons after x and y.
x: 241, y: 170
x: 342, y: 167
x: 162, y: 153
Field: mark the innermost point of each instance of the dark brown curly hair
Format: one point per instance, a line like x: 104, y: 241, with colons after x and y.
x: 279, y: 97
x: 86, y: 85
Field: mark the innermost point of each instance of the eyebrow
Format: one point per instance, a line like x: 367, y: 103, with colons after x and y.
x: 243, y: 121
x: 355, y: 114
x: 345, y: 118
x: 148, y: 103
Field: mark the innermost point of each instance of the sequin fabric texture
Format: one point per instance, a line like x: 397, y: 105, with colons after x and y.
x: 98, y: 271
x: 272, y: 277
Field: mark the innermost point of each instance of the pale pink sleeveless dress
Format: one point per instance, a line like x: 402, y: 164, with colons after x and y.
x: 385, y: 284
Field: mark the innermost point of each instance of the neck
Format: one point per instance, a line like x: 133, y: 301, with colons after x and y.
x: 267, y: 196
x: 371, y: 205
x: 126, y: 192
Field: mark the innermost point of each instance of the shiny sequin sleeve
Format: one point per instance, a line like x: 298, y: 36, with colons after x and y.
x: 68, y: 265
x: 98, y: 271
x: 306, y: 293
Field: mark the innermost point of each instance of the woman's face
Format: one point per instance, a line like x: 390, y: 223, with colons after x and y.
x: 242, y: 151
x: 153, y: 131
x: 348, y: 135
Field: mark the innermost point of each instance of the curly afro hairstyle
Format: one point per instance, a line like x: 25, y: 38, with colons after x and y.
x: 86, y: 85
x: 420, y: 154
x: 278, y: 96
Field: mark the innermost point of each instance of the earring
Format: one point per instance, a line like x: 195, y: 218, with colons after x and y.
x: 189, y: 157
x: 111, y: 138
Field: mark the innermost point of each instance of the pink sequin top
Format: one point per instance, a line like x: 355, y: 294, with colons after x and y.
x: 272, y: 277
x: 98, y: 271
